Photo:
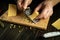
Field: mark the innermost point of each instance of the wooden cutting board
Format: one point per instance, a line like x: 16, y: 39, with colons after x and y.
x: 21, y: 19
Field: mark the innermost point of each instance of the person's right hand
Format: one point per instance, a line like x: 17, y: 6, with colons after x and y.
x: 23, y: 4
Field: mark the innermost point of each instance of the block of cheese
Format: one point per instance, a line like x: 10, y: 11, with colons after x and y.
x: 12, y: 10
x: 56, y: 24
x: 34, y: 15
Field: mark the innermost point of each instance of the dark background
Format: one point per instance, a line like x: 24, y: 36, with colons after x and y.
x: 34, y: 34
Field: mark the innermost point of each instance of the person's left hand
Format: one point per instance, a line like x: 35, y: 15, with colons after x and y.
x: 47, y: 9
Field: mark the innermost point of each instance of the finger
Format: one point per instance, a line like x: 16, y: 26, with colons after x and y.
x: 43, y: 13
x: 29, y: 2
x: 39, y: 16
x: 38, y: 7
x: 51, y: 12
x: 19, y: 4
x: 48, y: 14
x: 26, y: 3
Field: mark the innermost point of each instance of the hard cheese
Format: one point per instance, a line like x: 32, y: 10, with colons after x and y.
x: 12, y: 10
x: 34, y: 15
x: 56, y: 24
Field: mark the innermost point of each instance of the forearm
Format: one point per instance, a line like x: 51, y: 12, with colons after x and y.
x: 54, y: 2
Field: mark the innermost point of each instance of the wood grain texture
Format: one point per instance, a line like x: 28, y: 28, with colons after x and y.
x: 23, y: 20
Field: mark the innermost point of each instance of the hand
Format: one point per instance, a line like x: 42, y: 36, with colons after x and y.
x: 22, y: 4
x: 47, y: 9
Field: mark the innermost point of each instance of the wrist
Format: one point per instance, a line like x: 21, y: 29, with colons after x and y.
x: 54, y: 2
x: 50, y: 2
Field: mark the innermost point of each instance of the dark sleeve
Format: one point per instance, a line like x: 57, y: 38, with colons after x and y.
x: 13, y: 1
x: 8, y: 1
x: 4, y: 3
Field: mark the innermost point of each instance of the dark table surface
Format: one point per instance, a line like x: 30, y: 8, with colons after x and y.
x: 28, y: 34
